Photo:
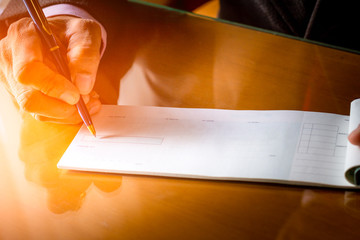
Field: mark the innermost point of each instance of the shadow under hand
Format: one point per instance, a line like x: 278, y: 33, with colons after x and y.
x: 41, y: 147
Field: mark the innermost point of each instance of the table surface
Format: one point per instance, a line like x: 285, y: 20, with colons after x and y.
x: 168, y: 58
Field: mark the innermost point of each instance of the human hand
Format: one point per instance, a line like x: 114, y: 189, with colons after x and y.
x: 354, y: 136
x: 30, y: 76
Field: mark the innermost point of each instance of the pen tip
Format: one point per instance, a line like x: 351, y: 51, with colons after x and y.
x: 92, y: 130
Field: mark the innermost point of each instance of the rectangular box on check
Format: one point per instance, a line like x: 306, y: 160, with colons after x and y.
x: 126, y: 139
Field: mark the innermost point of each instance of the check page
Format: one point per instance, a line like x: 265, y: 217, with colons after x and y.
x: 292, y: 147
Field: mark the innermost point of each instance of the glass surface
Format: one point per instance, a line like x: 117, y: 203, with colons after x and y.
x: 162, y: 57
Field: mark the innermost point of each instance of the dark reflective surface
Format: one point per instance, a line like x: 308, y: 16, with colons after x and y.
x: 327, y: 23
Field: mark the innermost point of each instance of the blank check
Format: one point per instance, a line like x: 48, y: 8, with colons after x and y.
x: 291, y: 147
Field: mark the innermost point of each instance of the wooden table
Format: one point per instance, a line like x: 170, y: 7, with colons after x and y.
x: 169, y: 58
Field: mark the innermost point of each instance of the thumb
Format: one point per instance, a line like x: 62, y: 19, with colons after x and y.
x: 354, y: 136
x: 83, y: 52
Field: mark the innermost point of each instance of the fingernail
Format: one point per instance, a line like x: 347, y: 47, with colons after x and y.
x: 69, y: 97
x: 84, y: 83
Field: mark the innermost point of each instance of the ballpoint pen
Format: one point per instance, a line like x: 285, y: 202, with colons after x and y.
x: 42, y: 25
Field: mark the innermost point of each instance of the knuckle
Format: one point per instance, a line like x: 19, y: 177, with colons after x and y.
x: 25, y: 73
x: 25, y: 100
x: 85, y: 41
x: 86, y: 31
x: 91, y: 25
x: 80, y: 52
x: 84, y: 59
x: 30, y: 74
x: 20, y: 26
x: 37, y: 117
x: 6, y: 57
x: 22, y: 73
x: 49, y: 86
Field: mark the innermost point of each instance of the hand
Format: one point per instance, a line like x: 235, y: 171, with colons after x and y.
x: 30, y: 76
x: 354, y: 136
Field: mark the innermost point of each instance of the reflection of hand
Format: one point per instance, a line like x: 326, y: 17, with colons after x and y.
x: 354, y: 136
x: 31, y: 78
x: 41, y: 146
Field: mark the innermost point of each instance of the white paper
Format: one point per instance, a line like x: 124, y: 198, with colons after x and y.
x: 353, y: 152
x: 294, y: 147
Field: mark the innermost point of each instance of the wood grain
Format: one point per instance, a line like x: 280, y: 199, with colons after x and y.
x: 171, y: 59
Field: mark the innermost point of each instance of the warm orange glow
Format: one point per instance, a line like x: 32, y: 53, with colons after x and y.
x: 171, y: 59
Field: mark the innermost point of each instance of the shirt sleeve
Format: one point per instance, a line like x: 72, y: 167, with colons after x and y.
x: 71, y: 10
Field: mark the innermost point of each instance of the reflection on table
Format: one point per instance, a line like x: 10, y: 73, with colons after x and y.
x: 166, y: 58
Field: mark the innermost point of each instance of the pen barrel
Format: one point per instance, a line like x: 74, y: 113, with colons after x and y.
x: 48, y: 38
x: 44, y: 30
x: 81, y: 107
x: 62, y: 65
x: 37, y: 15
x: 63, y: 69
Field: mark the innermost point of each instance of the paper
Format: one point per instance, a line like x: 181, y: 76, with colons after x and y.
x: 293, y: 147
x: 353, y: 152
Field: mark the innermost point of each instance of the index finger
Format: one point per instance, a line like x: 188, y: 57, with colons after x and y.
x: 28, y: 65
x: 42, y: 78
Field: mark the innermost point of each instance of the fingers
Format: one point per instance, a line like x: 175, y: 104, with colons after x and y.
x: 52, y: 84
x: 84, y: 38
x: 37, y: 103
x: 29, y: 69
x: 48, y: 109
x: 354, y: 136
x: 25, y: 43
x: 94, y: 106
x: 40, y: 90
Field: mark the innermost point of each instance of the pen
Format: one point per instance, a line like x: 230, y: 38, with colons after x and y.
x: 42, y: 25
